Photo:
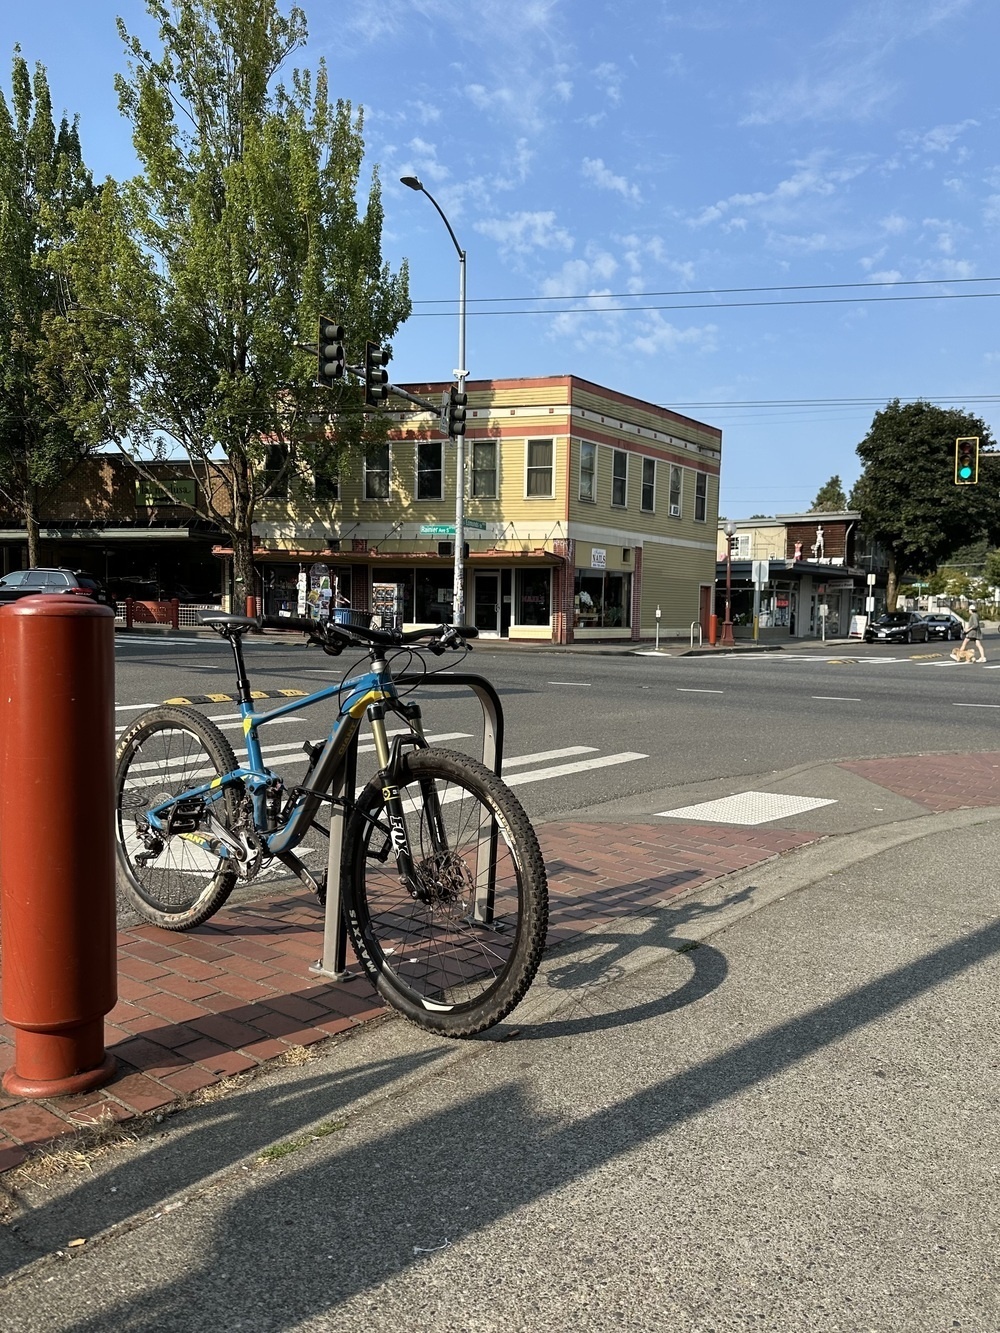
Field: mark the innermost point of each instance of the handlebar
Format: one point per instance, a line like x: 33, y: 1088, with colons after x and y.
x: 327, y: 632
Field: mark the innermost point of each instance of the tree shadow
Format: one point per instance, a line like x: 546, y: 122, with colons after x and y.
x: 366, y: 1212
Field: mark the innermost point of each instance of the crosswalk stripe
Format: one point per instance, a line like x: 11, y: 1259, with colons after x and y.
x: 563, y: 770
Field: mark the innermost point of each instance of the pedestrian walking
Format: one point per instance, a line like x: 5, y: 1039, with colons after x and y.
x: 973, y: 635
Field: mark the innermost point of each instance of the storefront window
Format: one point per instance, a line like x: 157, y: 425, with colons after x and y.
x: 435, y: 591
x: 281, y: 585
x: 602, y: 600
x: 533, y: 592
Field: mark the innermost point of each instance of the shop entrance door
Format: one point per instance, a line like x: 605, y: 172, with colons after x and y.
x: 486, y: 602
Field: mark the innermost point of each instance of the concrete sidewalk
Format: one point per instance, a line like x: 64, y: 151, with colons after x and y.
x: 760, y: 1099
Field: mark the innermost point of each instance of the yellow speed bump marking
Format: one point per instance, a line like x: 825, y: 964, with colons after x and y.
x: 231, y: 698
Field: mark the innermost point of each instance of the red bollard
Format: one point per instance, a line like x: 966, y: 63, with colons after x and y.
x: 175, y: 613
x: 251, y: 606
x: 129, y: 611
x: 713, y: 630
x: 57, y: 842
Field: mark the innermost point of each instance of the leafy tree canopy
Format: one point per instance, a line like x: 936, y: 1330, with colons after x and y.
x: 42, y: 180
x: 906, y: 494
x: 830, y: 498
x: 204, y: 276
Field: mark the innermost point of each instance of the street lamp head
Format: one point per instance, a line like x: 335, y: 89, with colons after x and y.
x: 728, y: 529
x: 412, y: 182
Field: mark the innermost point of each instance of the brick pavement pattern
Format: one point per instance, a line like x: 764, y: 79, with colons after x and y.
x: 939, y: 782
x: 197, y: 1007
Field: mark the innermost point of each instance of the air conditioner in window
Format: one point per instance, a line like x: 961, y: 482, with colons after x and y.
x: 675, y: 511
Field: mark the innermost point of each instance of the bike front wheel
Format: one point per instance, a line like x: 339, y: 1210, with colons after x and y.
x: 177, y: 877
x: 457, y: 947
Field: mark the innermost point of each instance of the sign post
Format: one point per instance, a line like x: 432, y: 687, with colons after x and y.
x: 761, y: 570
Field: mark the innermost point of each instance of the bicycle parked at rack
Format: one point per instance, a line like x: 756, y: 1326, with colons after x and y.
x: 442, y: 880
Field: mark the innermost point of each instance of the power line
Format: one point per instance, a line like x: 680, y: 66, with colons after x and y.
x: 718, y: 404
x: 704, y: 305
x: 715, y: 291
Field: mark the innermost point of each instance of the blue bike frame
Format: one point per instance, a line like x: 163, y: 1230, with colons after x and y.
x: 372, y: 687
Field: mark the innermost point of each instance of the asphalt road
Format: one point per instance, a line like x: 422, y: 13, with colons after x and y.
x: 584, y: 729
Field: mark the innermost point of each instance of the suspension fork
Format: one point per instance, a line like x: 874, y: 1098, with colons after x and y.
x: 389, y: 777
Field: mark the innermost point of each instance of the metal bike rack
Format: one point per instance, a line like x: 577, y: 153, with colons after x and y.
x: 333, y: 964
x: 696, y: 624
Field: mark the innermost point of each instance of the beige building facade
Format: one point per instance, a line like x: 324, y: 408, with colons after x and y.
x: 586, y: 510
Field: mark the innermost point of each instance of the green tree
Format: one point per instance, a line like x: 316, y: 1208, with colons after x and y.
x: 906, y: 494
x: 42, y: 180
x: 204, y: 276
x: 830, y: 498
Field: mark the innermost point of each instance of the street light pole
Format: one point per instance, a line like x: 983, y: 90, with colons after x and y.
x: 727, y: 640
x: 458, y: 587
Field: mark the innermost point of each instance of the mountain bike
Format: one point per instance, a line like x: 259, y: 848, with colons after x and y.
x: 442, y: 880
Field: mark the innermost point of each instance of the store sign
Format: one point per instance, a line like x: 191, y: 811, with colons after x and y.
x: 598, y: 558
x: 149, y: 495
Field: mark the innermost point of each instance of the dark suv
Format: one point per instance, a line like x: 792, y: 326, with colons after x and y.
x: 28, y: 582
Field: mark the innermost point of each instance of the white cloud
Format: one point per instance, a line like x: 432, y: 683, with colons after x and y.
x: 658, y: 336
x: 845, y: 76
x: 809, y: 180
x: 594, y: 170
x: 608, y: 78
x: 520, y: 233
x: 893, y: 224
x: 938, y: 140
x: 888, y: 276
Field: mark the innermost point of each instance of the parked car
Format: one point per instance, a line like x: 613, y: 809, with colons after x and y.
x: 28, y: 582
x: 944, y: 625
x: 897, y: 627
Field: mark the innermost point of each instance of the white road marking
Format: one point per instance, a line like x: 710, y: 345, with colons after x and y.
x: 955, y: 705
x: 837, y: 698
x: 584, y: 684
x: 682, y: 689
x: 543, y: 755
x: 563, y: 770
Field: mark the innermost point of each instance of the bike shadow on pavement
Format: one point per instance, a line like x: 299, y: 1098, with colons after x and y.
x: 334, y: 1230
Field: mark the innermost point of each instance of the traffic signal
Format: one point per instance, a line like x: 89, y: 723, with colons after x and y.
x: 330, y: 358
x: 376, y: 376
x: 967, y: 460
x: 456, y: 411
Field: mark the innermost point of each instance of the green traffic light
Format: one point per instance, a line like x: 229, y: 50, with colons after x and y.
x: 965, y: 472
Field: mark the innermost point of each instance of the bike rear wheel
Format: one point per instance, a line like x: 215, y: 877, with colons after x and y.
x: 457, y: 959
x: 176, y: 880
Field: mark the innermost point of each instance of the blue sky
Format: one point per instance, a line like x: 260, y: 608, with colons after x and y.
x: 606, y: 165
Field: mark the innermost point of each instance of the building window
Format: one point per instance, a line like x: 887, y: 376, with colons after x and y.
x: 326, y: 484
x: 700, y: 496
x: 619, y: 477
x: 742, y: 551
x: 602, y: 600
x: 430, y: 475
x: 484, y: 469
x: 276, y: 472
x: 539, y: 481
x: 377, y: 472
x: 675, y: 491
x: 532, y: 596
x: 588, y: 471
x: 649, y: 484
x: 435, y: 594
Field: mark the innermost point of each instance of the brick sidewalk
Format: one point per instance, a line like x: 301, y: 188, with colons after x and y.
x: 198, y: 1007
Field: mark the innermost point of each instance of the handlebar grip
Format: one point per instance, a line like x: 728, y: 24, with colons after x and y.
x: 466, y: 631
